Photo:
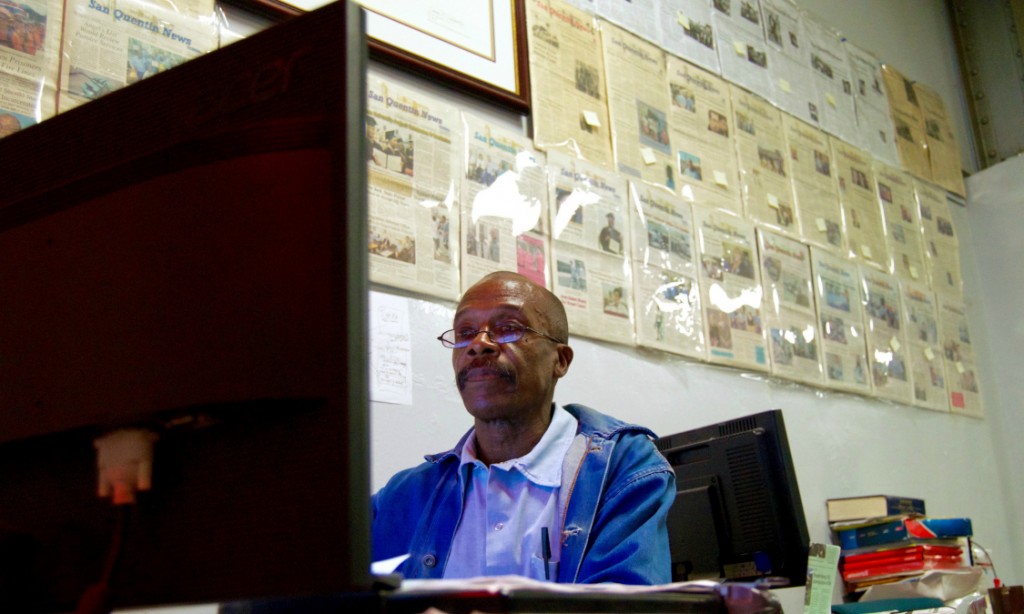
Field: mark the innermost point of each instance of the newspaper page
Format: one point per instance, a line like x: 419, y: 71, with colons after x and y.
x: 789, y: 316
x: 902, y: 225
x: 633, y: 15
x: 742, y: 51
x: 908, y: 122
x: 730, y: 287
x: 763, y: 162
x: 638, y: 105
x: 959, y: 357
x: 570, y: 110
x: 815, y: 190
x: 668, y: 315
x: 109, y: 44
x: 862, y: 216
x: 30, y: 34
x: 412, y: 147
x: 886, y: 340
x: 927, y: 373
x: 699, y: 120
x: 685, y: 30
x: 830, y: 70
x: 941, y: 246
x: 943, y: 151
x: 504, y: 219
x: 874, y: 122
x: 793, y: 88
x: 841, y: 315
x: 590, y: 237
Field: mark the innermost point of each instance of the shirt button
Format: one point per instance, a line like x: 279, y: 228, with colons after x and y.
x: 498, y: 526
x: 429, y: 560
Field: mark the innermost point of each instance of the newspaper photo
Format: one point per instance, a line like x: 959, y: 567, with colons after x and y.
x: 685, y: 30
x: 830, y: 71
x: 793, y: 89
x: 109, y: 44
x: 927, y: 371
x: 958, y: 354
x: 639, y: 106
x: 742, y: 51
x: 941, y: 246
x: 413, y: 145
x: 789, y: 316
x: 30, y: 34
x: 943, y: 150
x: 886, y: 341
x: 764, y: 163
x: 862, y: 217
x: 837, y: 290
x: 597, y: 291
x: 504, y: 220
x: 700, y: 118
x: 903, y: 236
x: 875, y: 131
x: 815, y: 189
x: 567, y: 77
x: 668, y: 314
x: 730, y: 287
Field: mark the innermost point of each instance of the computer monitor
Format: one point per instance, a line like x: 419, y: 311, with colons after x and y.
x: 188, y: 256
x: 737, y: 515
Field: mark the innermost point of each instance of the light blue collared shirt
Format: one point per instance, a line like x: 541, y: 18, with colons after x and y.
x: 507, y: 505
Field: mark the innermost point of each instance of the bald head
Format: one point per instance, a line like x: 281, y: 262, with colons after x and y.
x: 544, y: 303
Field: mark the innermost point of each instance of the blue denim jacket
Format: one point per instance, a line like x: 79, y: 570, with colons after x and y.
x: 615, y: 495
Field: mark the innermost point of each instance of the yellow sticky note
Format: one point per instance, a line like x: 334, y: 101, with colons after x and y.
x: 960, y: 367
x: 928, y: 353
x: 592, y: 119
x: 683, y: 20
x: 648, y: 155
x: 865, y: 251
x: 741, y: 48
x: 831, y: 100
x: 914, y: 274
x: 773, y: 201
x: 721, y: 179
x: 894, y: 343
x: 785, y: 86
x: 822, y: 226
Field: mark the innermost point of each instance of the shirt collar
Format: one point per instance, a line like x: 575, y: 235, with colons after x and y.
x: 543, y: 464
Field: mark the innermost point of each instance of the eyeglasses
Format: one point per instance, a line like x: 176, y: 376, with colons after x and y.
x: 509, y: 332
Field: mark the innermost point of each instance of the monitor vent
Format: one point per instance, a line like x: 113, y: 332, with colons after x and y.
x: 752, y: 496
x: 740, y: 425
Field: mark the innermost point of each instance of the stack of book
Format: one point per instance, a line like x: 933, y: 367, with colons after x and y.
x: 888, y: 539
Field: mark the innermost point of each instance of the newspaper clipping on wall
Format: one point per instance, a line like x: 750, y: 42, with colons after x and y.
x: 504, y: 204
x: 958, y: 354
x: 815, y: 190
x: 633, y: 15
x: 789, y: 318
x: 639, y: 107
x: 943, y: 150
x: 590, y: 244
x: 413, y: 190
x: 886, y: 341
x: 742, y: 51
x: 109, y: 44
x: 903, y: 236
x: 668, y: 314
x: 764, y: 163
x: 830, y: 71
x: 700, y: 116
x: 875, y: 131
x: 927, y: 373
x: 941, y: 246
x: 30, y: 33
x: 793, y: 89
x: 862, y: 218
x: 908, y: 122
x: 685, y: 30
x: 840, y: 316
x: 567, y: 76
x: 731, y: 293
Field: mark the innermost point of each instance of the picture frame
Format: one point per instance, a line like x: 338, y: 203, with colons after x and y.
x: 479, y: 52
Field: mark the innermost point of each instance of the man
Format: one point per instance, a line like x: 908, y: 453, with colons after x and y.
x: 610, y: 234
x: 595, y: 487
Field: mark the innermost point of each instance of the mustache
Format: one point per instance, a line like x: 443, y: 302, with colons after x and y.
x: 503, y: 371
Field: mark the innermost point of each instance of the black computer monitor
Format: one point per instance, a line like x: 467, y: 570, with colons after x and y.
x: 737, y: 515
x: 188, y: 256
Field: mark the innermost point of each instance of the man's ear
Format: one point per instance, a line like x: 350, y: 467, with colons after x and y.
x: 564, y: 360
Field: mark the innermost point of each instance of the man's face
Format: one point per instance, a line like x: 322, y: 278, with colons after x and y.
x: 513, y: 380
